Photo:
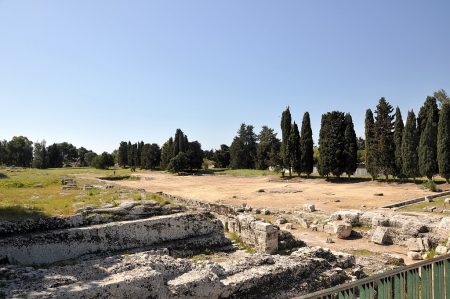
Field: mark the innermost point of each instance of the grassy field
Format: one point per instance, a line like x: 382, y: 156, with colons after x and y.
x: 31, y: 193
x: 419, y: 207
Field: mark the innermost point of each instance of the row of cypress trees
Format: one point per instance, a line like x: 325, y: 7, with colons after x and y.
x: 297, y: 153
x: 421, y: 147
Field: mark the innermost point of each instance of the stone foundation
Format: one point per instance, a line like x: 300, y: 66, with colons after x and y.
x: 59, y: 245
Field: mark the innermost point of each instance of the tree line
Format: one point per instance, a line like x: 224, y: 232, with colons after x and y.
x: 22, y: 152
x: 420, y: 147
x: 176, y: 154
x: 391, y: 147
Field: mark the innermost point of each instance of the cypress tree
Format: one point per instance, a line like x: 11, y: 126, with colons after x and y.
x: 337, y: 143
x: 398, y: 135
x: 371, y: 145
x: 180, y: 143
x: 430, y: 104
x: 167, y: 153
x: 351, y: 147
x: 123, y: 154
x: 410, y: 141
x: 306, y: 146
x: 294, y: 149
x: 443, y: 141
x: 384, y: 127
x: 331, y: 144
x: 427, y: 147
x: 129, y: 154
x: 323, y: 166
x: 286, y: 121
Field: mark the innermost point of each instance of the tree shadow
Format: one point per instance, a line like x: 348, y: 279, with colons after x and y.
x: 16, y: 213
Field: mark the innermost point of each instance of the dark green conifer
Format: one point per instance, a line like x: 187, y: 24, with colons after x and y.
x: 384, y: 135
x: 286, y: 122
x: 306, y: 146
x: 398, y: 135
x: 410, y: 142
x: 370, y: 145
x: 427, y: 147
x: 443, y: 141
x: 351, y: 147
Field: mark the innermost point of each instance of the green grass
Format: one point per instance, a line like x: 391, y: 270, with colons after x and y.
x: 236, y: 239
x: 161, y: 200
x: 248, y: 172
x: 20, y: 198
x: 363, y: 252
x: 419, y: 207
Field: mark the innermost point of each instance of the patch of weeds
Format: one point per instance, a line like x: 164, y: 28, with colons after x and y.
x: 266, y: 218
x: 431, y: 254
x: 363, y: 252
x: 93, y: 192
x: 361, y: 227
x: 236, y: 239
x: 134, y: 178
x: 15, y: 185
x: 137, y: 197
x: 161, y: 200
x: 430, y: 185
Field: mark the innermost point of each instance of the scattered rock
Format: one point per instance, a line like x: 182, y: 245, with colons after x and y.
x: 257, y: 211
x: 441, y: 250
x: 341, y: 229
x: 329, y: 240
x: 428, y: 199
x: 418, y: 244
x: 281, y: 220
x: 429, y: 209
x: 380, y: 235
x: 309, y: 207
x: 378, y: 194
x: 288, y: 226
x: 265, y: 211
x: 38, y: 186
x: 415, y: 256
x: 261, y: 190
x: 447, y: 201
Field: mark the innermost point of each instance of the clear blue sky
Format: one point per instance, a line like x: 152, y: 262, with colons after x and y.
x: 97, y: 72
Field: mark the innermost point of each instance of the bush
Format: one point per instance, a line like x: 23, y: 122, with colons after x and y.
x: 178, y: 163
x: 103, y: 161
x: 431, y: 185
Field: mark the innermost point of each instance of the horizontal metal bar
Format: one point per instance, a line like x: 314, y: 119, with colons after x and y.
x: 374, y: 278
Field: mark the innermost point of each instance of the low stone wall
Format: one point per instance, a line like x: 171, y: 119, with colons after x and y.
x: 393, y: 228
x: 414, y: 200
x: 71, y: 243
x: 255, y: 232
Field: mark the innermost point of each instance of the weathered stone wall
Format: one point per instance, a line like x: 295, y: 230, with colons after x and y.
x: 66, y: 244
x: 156, y: 275
x: 254, y: 232
x: 127, y: 210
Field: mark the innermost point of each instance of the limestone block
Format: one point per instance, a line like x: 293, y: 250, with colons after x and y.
x: 309, y: 207
x: 380, y: 235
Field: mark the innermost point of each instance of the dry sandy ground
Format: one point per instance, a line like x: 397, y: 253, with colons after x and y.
x: 278, y: 194
x: 288, y: 195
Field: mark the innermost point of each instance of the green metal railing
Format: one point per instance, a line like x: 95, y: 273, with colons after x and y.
x: 428, y: 279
